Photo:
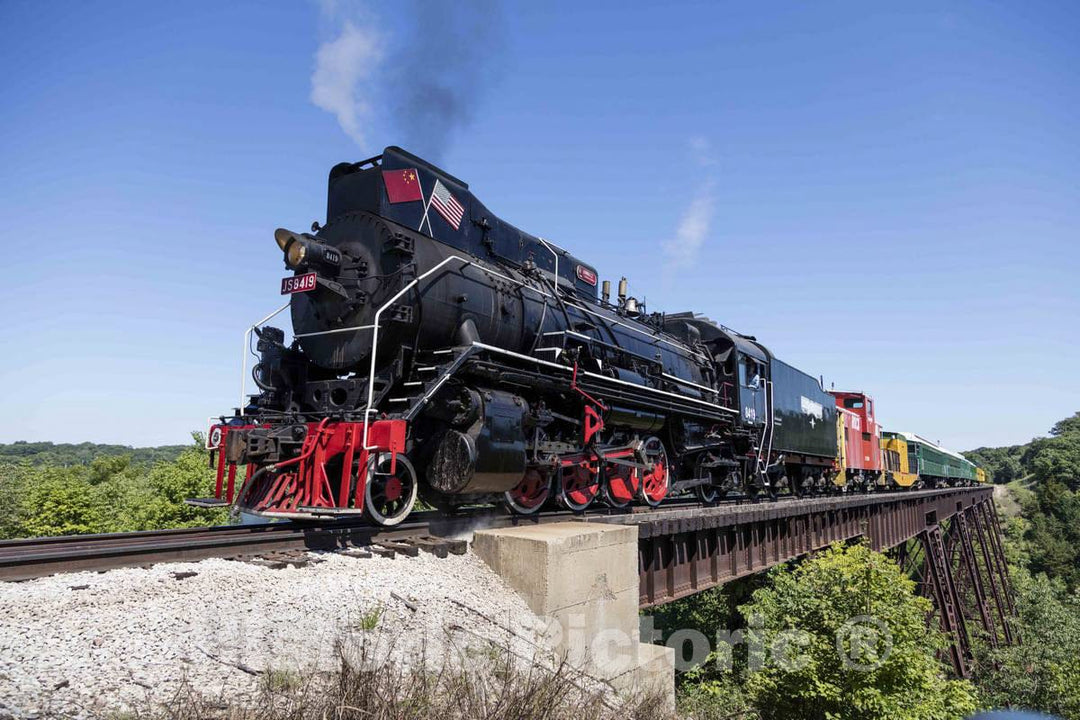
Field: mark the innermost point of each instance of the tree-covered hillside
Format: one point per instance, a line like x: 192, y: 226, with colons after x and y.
x: 47, y: 453
x: 1055, y: 457
x: 1044, y: 476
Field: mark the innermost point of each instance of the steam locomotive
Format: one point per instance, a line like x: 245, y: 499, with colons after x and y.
x: 440, y: 353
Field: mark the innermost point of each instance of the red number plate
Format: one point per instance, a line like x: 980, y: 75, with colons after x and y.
x: 298, y: 283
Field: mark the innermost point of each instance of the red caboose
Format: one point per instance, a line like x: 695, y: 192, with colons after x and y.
x: 860, y: 446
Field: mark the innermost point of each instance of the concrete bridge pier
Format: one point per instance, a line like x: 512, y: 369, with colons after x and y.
x: 583, y: 578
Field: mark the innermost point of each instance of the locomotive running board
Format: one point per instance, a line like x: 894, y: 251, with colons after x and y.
x: 206, y: 502
x: 311, y: 511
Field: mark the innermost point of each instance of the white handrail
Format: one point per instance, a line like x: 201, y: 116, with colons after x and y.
x: 375, y: 339
x: 605, y: 378
x: 331, y: 332
x: 556, y: 256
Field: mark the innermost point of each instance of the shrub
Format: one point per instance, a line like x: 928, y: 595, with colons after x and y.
x: 888, y: 667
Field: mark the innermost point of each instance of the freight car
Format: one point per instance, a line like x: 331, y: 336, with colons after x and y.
x: 438, y: 351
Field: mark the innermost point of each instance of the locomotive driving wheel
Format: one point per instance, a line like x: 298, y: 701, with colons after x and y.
x: 389, y: 496
x: 579, y: 486
x: 530, y: 494
x: 656, y: 480
x: 621, y: 484
x: 707, y: 494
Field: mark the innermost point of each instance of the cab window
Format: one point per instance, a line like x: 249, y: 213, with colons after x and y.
x: 853, y: 403
x: 749, y: 372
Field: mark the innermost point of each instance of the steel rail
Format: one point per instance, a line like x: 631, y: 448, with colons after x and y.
x: 24, y: 559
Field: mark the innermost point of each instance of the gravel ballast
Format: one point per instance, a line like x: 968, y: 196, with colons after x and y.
x: 89, y: 644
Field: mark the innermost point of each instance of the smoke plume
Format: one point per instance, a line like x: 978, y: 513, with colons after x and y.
x: 414, y: 75
x: 342, y: 67
x: 682, y: 251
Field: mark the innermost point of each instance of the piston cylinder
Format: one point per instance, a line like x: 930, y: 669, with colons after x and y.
x: 488, y: 457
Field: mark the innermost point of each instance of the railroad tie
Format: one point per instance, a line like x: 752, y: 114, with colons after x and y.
x: 400, y: 547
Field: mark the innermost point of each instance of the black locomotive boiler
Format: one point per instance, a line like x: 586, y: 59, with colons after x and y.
x: 438, y: 351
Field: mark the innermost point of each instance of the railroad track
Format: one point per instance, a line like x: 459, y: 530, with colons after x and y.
x: 25, y: 559
x: 36, y: 557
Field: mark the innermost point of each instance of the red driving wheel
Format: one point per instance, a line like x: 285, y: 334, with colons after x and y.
x: 580, y: 485
x: 621, y: 485
x: 530, y: 494
x: 656, y: 480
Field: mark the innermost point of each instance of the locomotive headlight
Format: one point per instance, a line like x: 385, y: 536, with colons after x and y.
x: 303, y: 250
x: 282, y: 237
x: 295, y: 252
x: 293, y: 245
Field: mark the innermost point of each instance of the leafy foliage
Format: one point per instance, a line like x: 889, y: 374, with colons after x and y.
x: 1042, y: 549
x: 791, y: 665
x: 706, y: 611
x: 1043, y: 671
x: 1054, y: 511
x: 1003, y: 464
x: 1052, y: 508
x: 1068, y: 426
x: 12, y: 485
x: 56, y: 503
x: 888, y: 667
x: 110, y: 493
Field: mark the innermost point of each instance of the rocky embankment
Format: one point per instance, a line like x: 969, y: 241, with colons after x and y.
x: 93, y: 644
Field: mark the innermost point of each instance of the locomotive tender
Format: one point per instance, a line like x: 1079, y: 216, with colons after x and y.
x: 440, y: 352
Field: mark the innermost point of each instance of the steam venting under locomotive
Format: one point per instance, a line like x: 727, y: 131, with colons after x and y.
x: 440, y: 352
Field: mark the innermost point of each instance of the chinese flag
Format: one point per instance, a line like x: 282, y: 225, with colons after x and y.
x: 402, y: 185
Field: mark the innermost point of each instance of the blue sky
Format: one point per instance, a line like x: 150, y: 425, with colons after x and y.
x: 885, y: 195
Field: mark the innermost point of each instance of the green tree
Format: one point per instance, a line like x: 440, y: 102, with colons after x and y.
x: 1043, y: 551
x: 1058, y: 460
x: 706, y: 611
x: 108, y: 493
x: 1068, y: 426
x: 1054, y: 531
x: 60, y: 501
x: 1043, y: 671
x: 104, y: 467
x: 882, y: 666
x: 12, y: 484
x: 1002, y: 463
x: 159, y: 501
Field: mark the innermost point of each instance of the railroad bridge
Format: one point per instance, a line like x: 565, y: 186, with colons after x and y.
x: 948, y: 540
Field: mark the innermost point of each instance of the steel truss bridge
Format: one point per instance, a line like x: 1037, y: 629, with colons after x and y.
x: 948, y: 540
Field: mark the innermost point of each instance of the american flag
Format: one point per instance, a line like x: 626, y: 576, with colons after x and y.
x: 446, y: 205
